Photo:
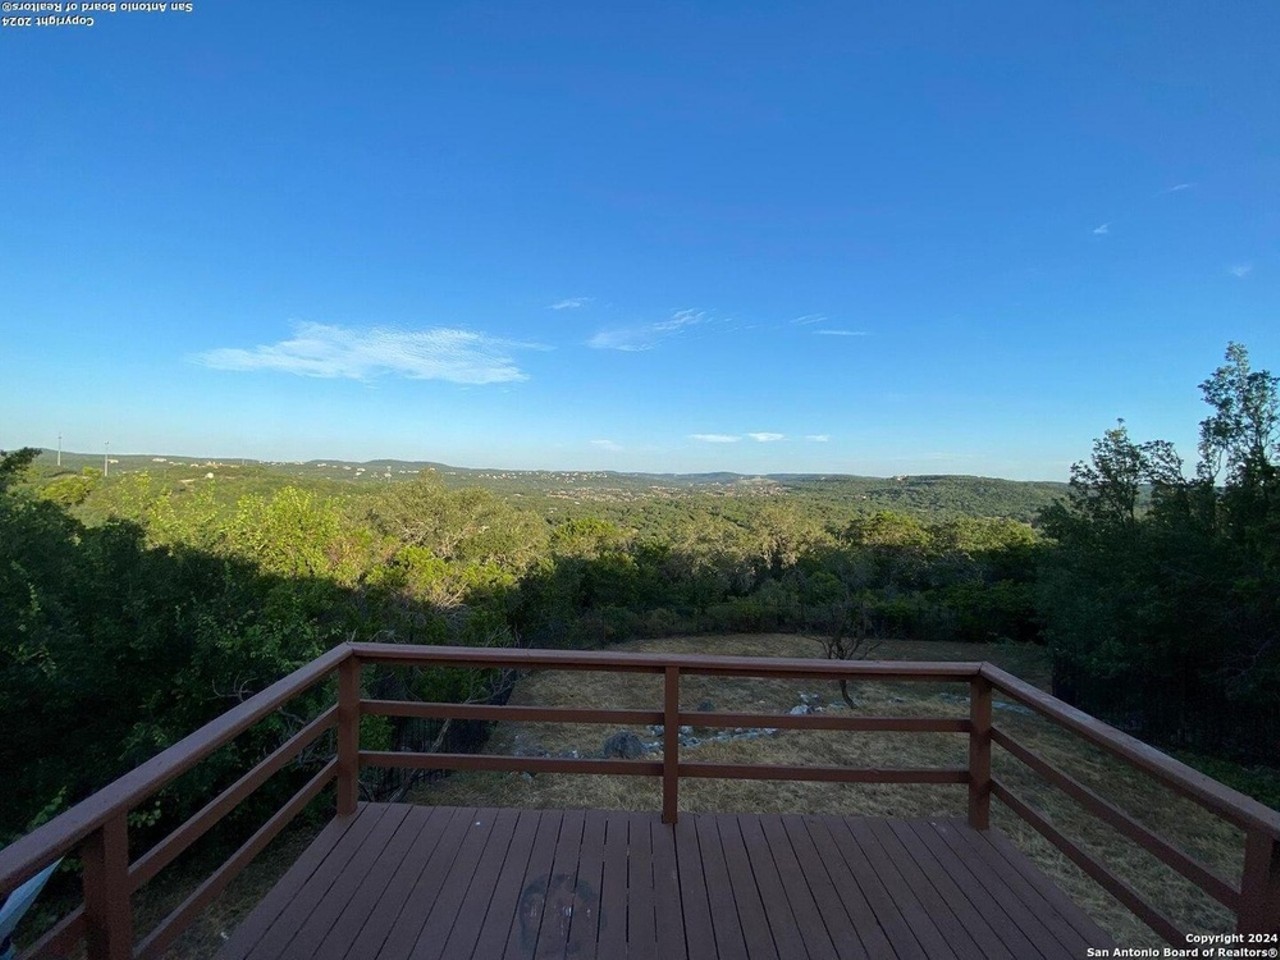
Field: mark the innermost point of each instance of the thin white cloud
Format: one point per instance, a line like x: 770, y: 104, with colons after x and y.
x: 766, y: 437
x: 1178, y: 188
x: 840, y: 333
x: 1102, y: 231
x: 818, y: 437
x: 714, y: 437
x: 809, y: 319
x: 649, y: 335
x: 606, y: 444
x: 1240, y: 270
x: 570, y: 303
x: 334, y: 352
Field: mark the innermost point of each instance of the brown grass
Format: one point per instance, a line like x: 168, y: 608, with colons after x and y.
x: 1181, y: 822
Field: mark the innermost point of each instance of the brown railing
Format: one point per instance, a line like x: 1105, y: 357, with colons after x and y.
x: 1255, y: 902
x: 97, y: 828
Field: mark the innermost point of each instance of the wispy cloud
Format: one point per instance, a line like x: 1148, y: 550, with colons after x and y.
x: 649, y: 335
x: 1240, y: 270
x: 606, y: 444
x: 334, y: 352
x: 714, y: 437
x: 1102, y: 231
x: 766, y: 437
x: 570, y: 303
x: 1178, y: 188
x: 840, y: 333
x: 818, y: 437
x: 809, y: 319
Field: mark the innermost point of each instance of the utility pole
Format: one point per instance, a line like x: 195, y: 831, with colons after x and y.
x: 106, y: 459
x: 59, y: 449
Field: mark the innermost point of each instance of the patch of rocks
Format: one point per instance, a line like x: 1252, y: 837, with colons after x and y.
x: 628, y: 745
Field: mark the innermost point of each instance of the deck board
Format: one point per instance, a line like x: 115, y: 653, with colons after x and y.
x: 395, y: 882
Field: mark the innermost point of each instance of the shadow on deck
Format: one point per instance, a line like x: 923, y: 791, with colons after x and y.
x: 397, y: 881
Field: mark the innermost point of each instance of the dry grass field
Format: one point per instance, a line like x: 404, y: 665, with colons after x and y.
x: 1182, y: 822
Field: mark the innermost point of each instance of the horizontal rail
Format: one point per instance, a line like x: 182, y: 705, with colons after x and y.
x: 1118, y: 888
x: 811, y: 721
x: 172, y: 926
x: 770, y: 771
x: 1188, y: 866
x: 28, y: 855
x: 476, y: 711
x: 62, y: 939
x: 1231, y: 805
x: 479, y: 761
x: 645, y: 768
x: 759, y: 721
x: 657, y: 663
x: 164, y: 852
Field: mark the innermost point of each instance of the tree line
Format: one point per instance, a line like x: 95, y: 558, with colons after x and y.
x: 134, y: 612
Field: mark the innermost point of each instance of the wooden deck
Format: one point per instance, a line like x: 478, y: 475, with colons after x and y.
x: 396, y: 881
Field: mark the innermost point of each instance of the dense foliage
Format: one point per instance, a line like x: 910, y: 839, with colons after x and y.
x: 1162, y: 597
x: 137, y: 607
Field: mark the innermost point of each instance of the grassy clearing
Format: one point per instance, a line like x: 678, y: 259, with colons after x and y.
x: 1181, y: 822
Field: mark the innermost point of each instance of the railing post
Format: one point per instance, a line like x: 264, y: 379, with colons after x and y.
x: 671, y: 746
x: 108, y: 913
x: 348, y: 735
x: 980, y: 753
x: 1260, y: 887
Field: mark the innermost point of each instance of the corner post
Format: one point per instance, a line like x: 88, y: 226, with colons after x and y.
x: 1259, y: 910
x: 671, y: 746
x: 980, y: 753
x: 108, y: 912
x: 348, y: 735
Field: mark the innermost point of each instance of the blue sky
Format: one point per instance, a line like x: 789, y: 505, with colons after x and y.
x: 871, y: 239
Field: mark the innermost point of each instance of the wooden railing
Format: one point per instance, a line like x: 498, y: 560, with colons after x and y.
x: 97, y: 828
x: 1255, y: 901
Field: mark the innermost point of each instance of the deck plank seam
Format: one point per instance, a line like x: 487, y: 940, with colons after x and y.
x: 1032, y: 896
x: 808, y: 886
x: 446, y: 937
x: 998, y: 894
x: 736, y: 828
x: 258, y: 917
x: 307, y: 927
x: 785, y: 900
x: 866, y: 930
x: 975, y: 924
x: 861, y: 930
x: 451, y: 856
x: 884, y: 910
x: 1010, y: 933
x: 692, y: 894
x: 790, y: 828
x: 926, y: 892
x: 522, y: 864
x: 1036, y: 904
x: 577, y: 872
x: 364, y: 820
x: 410, y: 829
x: 916, y: 917
x: 410, y: 882
x: 1052, y: 893
x: 546, y: 885
x: 532, y: 871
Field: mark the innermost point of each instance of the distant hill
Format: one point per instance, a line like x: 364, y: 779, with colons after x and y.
x: 576, y: 492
